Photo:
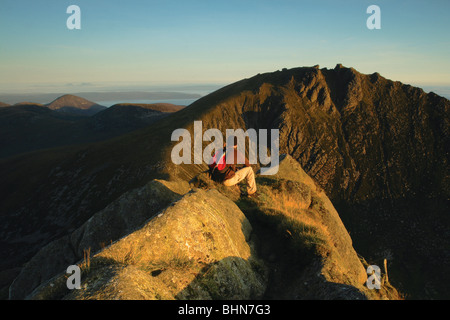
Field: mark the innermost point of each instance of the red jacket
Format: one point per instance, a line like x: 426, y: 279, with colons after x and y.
x: 227, y: 164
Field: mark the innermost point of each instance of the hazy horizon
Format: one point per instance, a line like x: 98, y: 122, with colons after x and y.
x: 210, y: 42
x: 77, y: 87
x: 47, y: 93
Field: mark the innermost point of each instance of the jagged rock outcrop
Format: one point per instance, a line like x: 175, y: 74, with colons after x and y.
x: 204, y: 246
x: 379, y: 149
x: 304, y: 242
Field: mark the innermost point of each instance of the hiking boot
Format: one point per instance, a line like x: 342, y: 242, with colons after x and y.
x: 253, y: 195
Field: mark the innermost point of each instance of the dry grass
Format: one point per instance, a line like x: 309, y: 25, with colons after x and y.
x: 295, y: 210
x: 124, y: 255
x: 86, y: 264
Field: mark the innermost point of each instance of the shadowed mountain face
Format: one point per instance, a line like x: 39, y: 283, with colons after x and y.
x: 29, y: 127
x: 377, y: 147
x: 126, y: 117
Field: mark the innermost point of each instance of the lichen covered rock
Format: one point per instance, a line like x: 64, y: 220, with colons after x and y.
x: 195, y: 249
x: 118, y: 219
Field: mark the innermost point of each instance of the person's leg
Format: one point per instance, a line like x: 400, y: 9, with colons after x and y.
x: 245, y: 173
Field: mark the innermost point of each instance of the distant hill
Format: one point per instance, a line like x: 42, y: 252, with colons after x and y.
x: 26, y: 103
x: 76, y: 105
x: 126, y: 117
x: 2, y: 104
x: 162, y: 107
x: 28, y: 126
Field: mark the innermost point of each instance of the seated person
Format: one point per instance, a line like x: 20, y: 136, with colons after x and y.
x: 224, y: 170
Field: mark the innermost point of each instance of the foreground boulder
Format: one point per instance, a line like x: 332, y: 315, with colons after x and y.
x: 118, y: 219
x: 195, y: 249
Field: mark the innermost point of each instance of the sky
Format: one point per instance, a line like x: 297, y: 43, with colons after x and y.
x: 143, y: 42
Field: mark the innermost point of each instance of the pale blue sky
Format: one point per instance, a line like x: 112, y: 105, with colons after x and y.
x: 208, y: 41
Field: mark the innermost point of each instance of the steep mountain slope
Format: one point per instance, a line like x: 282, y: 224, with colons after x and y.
x: 75, y: 105
x: 378, y: 148
x: 203, y: 246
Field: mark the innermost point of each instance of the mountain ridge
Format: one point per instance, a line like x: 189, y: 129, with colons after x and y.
x: 371, y: 143
x: 29, y: 126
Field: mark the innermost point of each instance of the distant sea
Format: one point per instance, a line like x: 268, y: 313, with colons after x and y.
x: 180, y: 102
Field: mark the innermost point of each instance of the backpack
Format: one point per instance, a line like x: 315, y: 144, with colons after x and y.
x: 218, y: 169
